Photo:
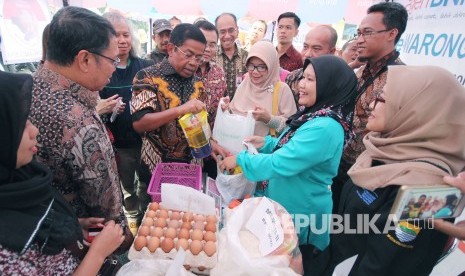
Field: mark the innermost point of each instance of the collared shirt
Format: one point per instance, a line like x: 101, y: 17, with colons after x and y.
x: 233, y: 68
x: 155, y: 89
x: 156, y: 56
x: 215, y: 86
x: 73, y: 143
x: 371, y: 80
x: 291, y: 60
x: 292, y: 80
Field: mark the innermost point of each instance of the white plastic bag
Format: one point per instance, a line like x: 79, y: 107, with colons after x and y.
x: 236, y: 256
x: 149, y: 267
x: 231, y: 129
x: 233, y: 186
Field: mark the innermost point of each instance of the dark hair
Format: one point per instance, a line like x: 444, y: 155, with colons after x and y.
x: 45, y: 36
x: 205, y: 25
x: 394, y: 16
x: 185, y: 31
x: 225, y: 14
x: 450, y: 199
x: 290, y: 15
x: 74, y: 29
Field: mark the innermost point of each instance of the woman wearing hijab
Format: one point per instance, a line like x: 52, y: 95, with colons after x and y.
x: 300, y: 164
x: 39, y: 232
x: 257, y: 90
x: 417, y: 137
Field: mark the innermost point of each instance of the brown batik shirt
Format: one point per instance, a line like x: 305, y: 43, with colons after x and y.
x: 74, y: 144
x: 233, y: 68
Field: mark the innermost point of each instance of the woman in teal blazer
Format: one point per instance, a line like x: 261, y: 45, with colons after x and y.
x: 298, y: 167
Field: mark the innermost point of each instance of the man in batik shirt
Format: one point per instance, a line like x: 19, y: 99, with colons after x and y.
x: 164, y: 92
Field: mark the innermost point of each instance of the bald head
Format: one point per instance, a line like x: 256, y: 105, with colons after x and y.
x: 321, y: 40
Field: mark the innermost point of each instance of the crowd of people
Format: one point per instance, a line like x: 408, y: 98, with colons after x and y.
x: 338, y: 132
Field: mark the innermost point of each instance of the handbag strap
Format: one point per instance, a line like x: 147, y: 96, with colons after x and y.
x: 274, y: 105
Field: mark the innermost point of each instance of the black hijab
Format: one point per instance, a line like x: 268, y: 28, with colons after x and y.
x: 336, y: 87
x: 31, y: 211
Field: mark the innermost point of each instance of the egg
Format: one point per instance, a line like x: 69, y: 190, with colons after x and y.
x: 153, y: 244
x: 211, y: 226
x: 186, y: 225
x: 183, y: 234
x: 170, y: 233
x: 212, y: 218
x: 200, y: 218
x: 209, y: 248
x: 156, y: 232
x: 150, y: 214
x: 197, y: 234
x: 188, y: 217
x: 196, y: 247
x: 160, y: 222
x: 163, y: 214
x: 199, y: 225
x: 153, y: 206
x: 173, y: 224
x: 167, y: 244
x: 210, y: 236
x: 182, y: 243
x: 140, y: 242
x: 144, y: 231
x: 148, y: 222
x: 175, y: 215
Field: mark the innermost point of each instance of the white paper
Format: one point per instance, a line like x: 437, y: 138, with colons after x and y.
x: 265, y: 225
x: 182, y: 198
x: 212, y: 190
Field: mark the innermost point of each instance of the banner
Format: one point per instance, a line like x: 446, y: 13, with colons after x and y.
x: 21, y: 25
x: 435, y: 35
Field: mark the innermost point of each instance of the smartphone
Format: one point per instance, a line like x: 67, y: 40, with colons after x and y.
x: 424, y: 202
x: 92, y: 232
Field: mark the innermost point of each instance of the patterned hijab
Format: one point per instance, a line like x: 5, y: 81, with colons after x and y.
x: 424, y: 137
x: 336, y: 86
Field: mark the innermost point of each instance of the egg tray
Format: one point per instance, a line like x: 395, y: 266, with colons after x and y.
x: 200, y: 263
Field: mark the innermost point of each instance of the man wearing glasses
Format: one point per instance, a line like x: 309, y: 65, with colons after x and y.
x: 377, y: 36
x: 162, y: 93
x: 72, y: 139
x: 230, y: 57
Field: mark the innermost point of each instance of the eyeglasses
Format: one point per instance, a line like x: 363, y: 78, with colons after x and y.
x: 260, y: 68
x: 369, y: 33
x: 378, y: 99
x: 198, y: 59
x: 229, y: 31
x: 115, y: 61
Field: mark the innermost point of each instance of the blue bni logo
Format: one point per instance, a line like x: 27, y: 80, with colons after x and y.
x: 367, y: 196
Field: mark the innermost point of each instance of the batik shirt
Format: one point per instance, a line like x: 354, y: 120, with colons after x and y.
x: 292, y: 80
x: 74, y: 144
x: 155, y: 89
x: 215, y: 87
x: 233, y: 68
x: 291, y: 60
x: 371, y: 80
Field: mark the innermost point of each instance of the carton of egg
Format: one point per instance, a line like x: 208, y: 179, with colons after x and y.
x: 163, y: 232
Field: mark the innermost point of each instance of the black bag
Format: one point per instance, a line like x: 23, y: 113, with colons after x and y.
x: 110, y: 266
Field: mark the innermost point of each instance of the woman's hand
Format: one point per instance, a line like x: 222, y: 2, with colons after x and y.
x: 225, y: 103
x: 455, y: 230
x: 256, y: 141
x: 228, y: 164
x: 108, y: 240
x: 218, y: 150
x: 261, y: 114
